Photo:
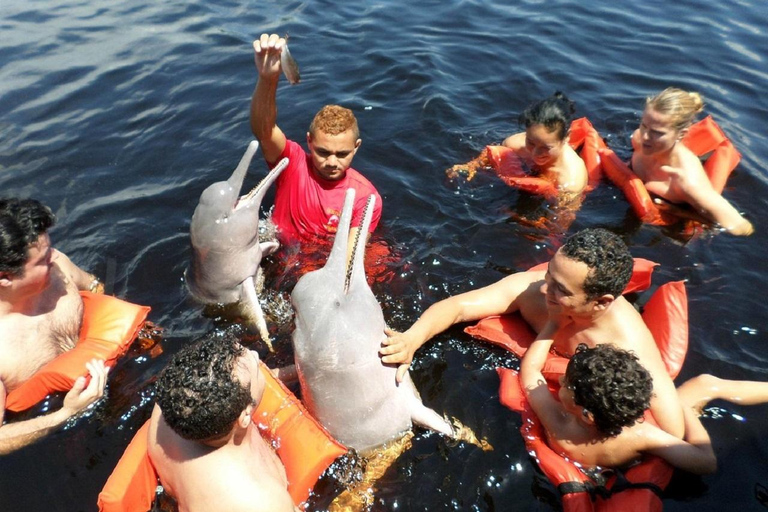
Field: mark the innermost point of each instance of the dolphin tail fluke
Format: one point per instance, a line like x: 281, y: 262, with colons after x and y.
x: 256, y: 315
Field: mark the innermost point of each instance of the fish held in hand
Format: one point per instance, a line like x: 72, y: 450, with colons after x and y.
x: 289, y: 66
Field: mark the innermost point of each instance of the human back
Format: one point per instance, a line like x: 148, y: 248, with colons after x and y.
x: 244, y: 476
x: 206, y: 449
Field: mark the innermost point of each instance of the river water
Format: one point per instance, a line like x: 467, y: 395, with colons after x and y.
x: 118, y: 115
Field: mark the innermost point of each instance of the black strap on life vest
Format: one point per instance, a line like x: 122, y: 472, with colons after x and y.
x: 600, y: 490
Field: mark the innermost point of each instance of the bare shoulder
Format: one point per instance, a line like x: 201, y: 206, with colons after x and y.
x: 72, y: 273
x: 521, y: 286
x: 516, y: 141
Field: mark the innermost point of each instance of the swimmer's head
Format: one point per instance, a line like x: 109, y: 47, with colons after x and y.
x: 199, y: 392
x: 611, y: 385
x: 681, y: 106
x: 333, y: 120
x: 22, y: 221
x: 608, y: 258
x: 554, y: 113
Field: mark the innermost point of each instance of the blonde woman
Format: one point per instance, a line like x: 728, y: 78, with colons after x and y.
x: 669, y: 169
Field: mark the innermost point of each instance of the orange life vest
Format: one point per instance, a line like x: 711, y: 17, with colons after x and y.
x: 109, y: 326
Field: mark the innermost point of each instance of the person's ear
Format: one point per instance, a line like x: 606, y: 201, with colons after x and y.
x: 245, y: 417
x: 309, y: 138
x: 357, y: 143
x: 682, y: 133
x: 587, y: 416
x: 6, y: 279
x: 602, y: 302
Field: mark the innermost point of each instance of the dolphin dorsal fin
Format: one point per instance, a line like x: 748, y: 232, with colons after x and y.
x: 338, y: 257
x: 356, y: 273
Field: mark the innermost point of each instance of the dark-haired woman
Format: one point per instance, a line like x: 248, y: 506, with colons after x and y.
x: 543, y: 147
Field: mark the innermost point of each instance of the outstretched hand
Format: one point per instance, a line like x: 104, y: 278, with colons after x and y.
x: 461, y: 169
x: 267, y: 50
x: 398, y: 348
x: 84, y: 393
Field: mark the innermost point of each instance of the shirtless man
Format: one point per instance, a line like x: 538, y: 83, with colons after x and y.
x: 582, y: 289
x: 206, y: 449
x: 602, y: 397
x: 310, y: 191
x: 40, y: 316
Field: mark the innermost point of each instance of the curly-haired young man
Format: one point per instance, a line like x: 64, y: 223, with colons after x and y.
x: 206, y: 449
x: 580, y: 292
x: 40, y: 315
x: 310, y: 191
x: 603, y: 395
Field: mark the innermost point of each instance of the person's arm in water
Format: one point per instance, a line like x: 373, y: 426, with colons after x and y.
x: 496, y: 299
x: 267, y: 51
x: 19, y: 434
x: 698, y: 192
x: 515, y: 142
x: 693, y: 453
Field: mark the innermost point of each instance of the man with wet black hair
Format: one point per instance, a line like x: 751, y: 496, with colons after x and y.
x: 597, y: 418
x: 580, y: 292
x: 40, y: 315
x: 202, y: 441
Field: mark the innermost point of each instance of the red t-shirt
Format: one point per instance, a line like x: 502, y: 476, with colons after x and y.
x: 307, y: 206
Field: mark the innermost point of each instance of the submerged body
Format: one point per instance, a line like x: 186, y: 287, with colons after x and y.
x: 339, y: 330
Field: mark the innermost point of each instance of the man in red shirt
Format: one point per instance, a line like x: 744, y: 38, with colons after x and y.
x: 310, y: 191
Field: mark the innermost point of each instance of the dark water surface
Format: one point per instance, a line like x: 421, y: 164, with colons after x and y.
x: 118, y: 114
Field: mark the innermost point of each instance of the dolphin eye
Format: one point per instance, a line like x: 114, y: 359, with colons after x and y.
x: 337, y: 303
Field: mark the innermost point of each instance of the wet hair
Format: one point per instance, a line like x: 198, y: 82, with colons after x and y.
x: 199, y: 392
x: 682, y: 106
x: 22, y: 221
x: 611, y: 384
x: 608, y: 258
x: 555, y: 113
x: 333, y: 120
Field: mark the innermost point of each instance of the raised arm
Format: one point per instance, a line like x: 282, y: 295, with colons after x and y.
x: 496, y: 299
x: 19, y: 434
x: 267, y: 51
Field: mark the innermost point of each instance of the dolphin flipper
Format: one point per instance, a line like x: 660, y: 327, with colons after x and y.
x: 421, y: 414
x: 254, y: 308
x: 268, y: 248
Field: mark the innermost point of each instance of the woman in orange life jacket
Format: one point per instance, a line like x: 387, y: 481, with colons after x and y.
x: 542, y: 148
x: 673, y: 172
